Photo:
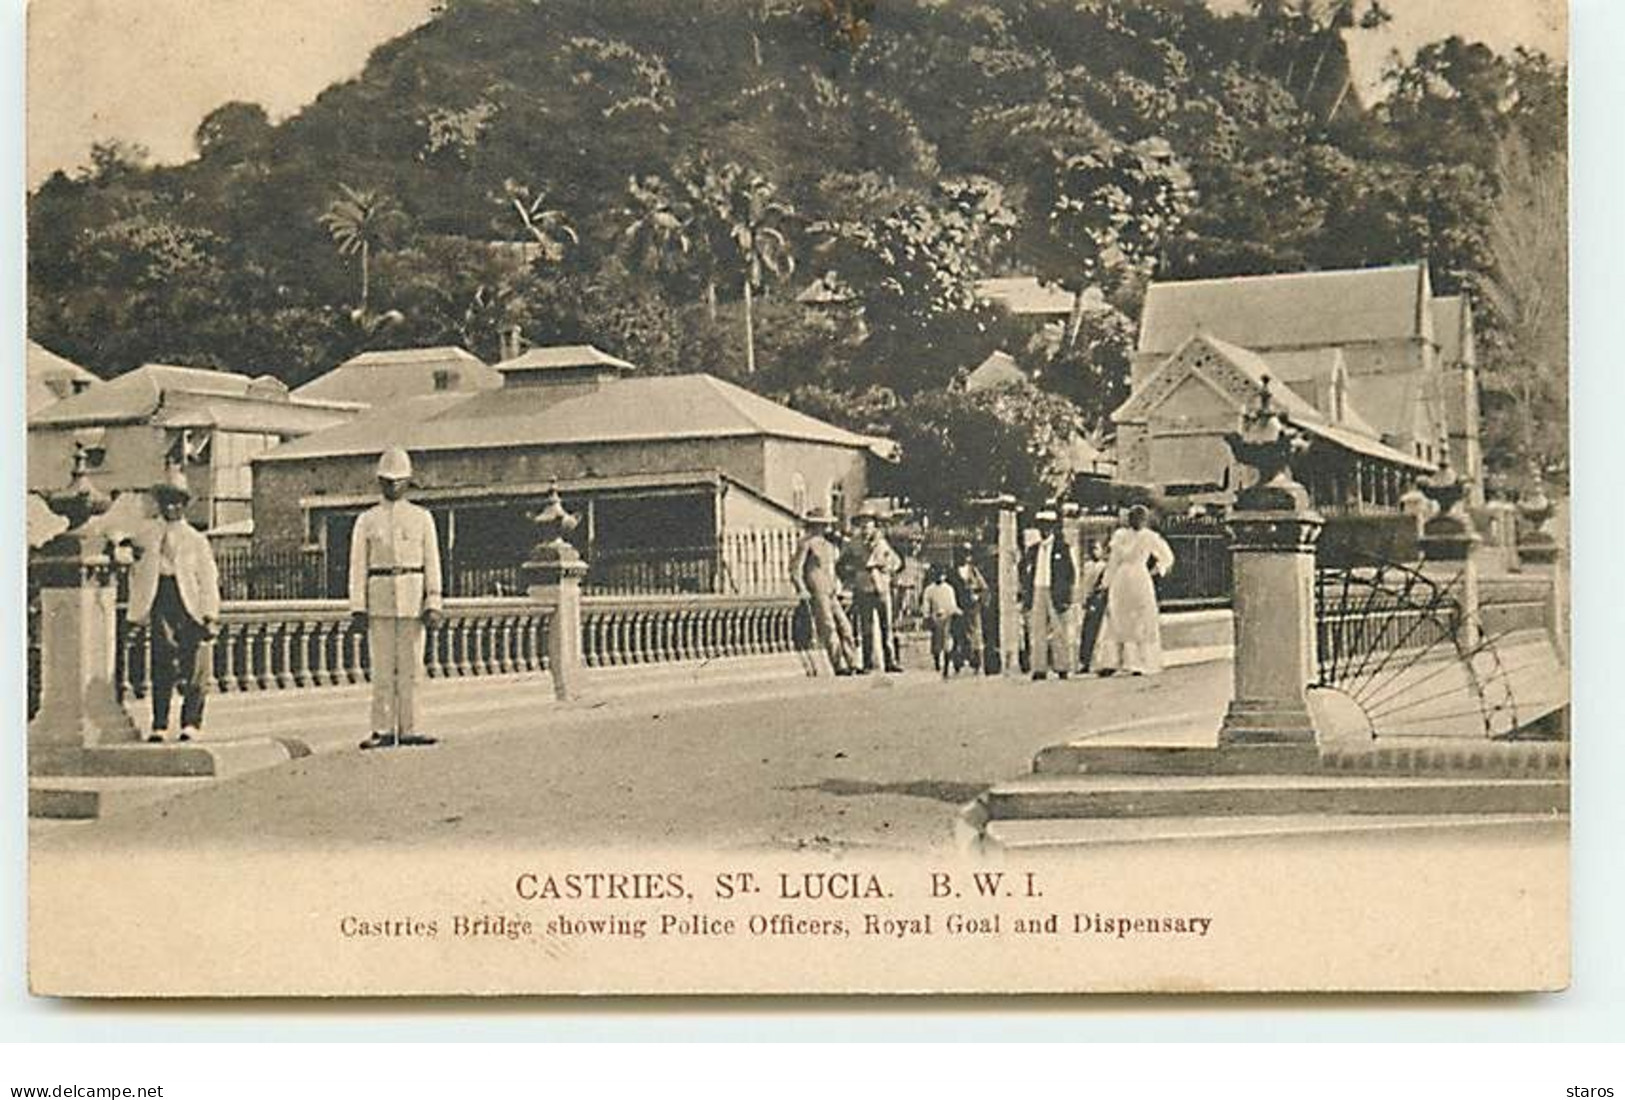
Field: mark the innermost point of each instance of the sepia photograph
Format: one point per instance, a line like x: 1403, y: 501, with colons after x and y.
x: 797, y: 496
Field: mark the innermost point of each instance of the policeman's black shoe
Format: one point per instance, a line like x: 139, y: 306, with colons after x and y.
x: 379, y: 741
x: 156, y: 737
x: 1061, y: 675
x: 418, y: 739
x: 1037, y: 676
x: 894, y: 668
x: 1106, y: 672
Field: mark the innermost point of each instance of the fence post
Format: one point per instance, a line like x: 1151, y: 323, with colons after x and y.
x: 1273, y: 533
x: 79, y: 707
x: 1004, y: 647
x: 555, y: 572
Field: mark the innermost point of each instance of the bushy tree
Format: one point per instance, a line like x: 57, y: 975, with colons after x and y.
x: 957, y: 446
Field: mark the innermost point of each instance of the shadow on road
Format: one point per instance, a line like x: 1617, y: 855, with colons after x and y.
x: 938, y: 790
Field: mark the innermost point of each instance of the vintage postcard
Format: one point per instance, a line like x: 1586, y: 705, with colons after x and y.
x: 792, y: 496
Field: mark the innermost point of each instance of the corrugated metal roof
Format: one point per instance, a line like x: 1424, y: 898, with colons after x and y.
x: 405, y: 356
x: 684, y: 406
x: 380, y: 377
x: 140, y: 394
x: 1284, y: 311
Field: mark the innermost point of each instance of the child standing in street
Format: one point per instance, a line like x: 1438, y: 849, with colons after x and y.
x: 940, y: 608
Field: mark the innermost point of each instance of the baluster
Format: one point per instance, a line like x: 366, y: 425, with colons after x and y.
x: 321, y: 666
x: 479, y: 645
x: 223, y: 644
x: 592, y: 637
x: 351, y: 658
x: 507, y: 658
x: 259, y: 673
x: 710, y: 634
x: 618, y: 647
x: 304, y: 633
x: 541, y: 624
x: 282, y: 656
x: 242, y: 662
x: 645, y: 648
x: 667, y: 641
x: 459, y: 655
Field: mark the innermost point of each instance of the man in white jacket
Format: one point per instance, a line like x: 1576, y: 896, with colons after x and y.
x: 394, y: 594
x: 175, y: 589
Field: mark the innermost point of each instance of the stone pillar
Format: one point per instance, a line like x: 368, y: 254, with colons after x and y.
x: 1451, y: 548
x: 1009, y: 586
x: 1273, y: 535
x: 1273, y: 556
x: 554, y: 573
x: 79, y: 705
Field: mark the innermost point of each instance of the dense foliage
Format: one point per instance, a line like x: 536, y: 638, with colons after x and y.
x: 663, y: 177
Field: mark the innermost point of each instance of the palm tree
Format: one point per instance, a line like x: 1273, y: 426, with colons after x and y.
x: 550, y: 229
x: 657, y: 231
x: 758, y: 247
x: 360, y: 220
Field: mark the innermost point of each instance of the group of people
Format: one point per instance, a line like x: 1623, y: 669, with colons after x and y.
x: 395, y: 595
x: 1100, y: 615
x: 1097, y: 615
x: 846, y: 581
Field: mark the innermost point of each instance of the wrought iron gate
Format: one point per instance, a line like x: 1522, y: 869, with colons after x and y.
x: 1397, y: 645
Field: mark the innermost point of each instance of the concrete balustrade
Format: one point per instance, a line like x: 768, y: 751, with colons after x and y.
x: 282, y: 645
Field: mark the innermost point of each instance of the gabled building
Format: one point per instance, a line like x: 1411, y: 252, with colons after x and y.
x: 1171, y: 431
x: 1362, y: 349
x: 52, y: 378
x: 380, y: 378
x: 671, y: 467
x: 134, y: 427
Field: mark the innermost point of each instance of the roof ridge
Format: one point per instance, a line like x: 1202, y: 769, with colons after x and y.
x: 1345, y: 271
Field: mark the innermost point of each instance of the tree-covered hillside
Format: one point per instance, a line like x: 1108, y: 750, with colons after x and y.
x: 663, y: 177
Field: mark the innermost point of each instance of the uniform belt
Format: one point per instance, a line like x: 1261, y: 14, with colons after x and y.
x: 395, y: 571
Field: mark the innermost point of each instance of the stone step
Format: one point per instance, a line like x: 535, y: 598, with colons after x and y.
x: 1411, y: 756
x: 1037, y: 835
x: 217, y: 759
x: 83, y: 798
x: 1509, y: 759
x: 1101, y: 796
x: 1083, y: 758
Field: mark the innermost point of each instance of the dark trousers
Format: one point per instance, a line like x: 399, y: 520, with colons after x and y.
x: 182, y: 657
x: 1094, y: 613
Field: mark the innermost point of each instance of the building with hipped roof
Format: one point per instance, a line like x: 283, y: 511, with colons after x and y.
x: 1356, y: 358
x: 668, y: 466
x: 383, y: 377
x: 210, y: 424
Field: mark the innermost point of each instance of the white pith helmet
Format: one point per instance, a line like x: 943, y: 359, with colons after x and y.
x: 395, y: 465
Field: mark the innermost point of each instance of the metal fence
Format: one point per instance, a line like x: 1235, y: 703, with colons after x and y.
x: 1201, y: 576
x: 742, y: 563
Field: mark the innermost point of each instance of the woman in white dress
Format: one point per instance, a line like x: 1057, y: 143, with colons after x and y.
x: 1130, y: 637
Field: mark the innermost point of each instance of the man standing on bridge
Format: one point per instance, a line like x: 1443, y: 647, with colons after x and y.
x: 395, y: 594
x: 175, y: 588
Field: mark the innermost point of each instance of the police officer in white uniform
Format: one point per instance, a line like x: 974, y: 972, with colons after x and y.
x: 395, y: 593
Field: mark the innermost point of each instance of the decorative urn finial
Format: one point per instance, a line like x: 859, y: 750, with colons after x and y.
x: 80, y: 499
x: 1269, y: 444
x: 554, y: 522
x: 1444, y: 487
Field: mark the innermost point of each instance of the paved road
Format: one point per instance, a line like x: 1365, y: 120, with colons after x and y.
x: 824, y: 764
